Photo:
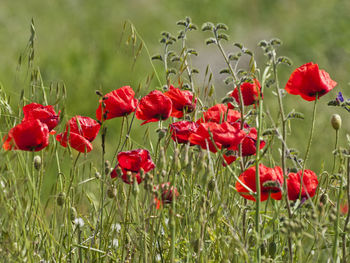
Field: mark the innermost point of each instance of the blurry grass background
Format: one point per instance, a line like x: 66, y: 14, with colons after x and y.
x: 78, y: 43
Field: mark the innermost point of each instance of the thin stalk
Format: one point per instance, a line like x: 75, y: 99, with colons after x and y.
x: 336, y: 224
x: 283, y: 146
x: 103, y: 137
x: 335, y: 148
x: 348, y: 215
x: 257, y: 173
x: 125, y: 222
x: 308, y: 147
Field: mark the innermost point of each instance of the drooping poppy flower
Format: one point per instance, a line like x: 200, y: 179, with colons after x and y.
x: 168, y: 193
x: 310, y: 182
x: 220, y: 113
x: 45, y: 114
x: 117, y: 103
x: 250, y: 93
x: 131, y: 162
x: 249, y: 143
x: 181, y: 130
x: 182, y: 101
x: 309, y: 81
x: 80, y: 132
x: 271, y: 181
x: 224, y: 135
x: 30, y: 135
x: 154, y: 107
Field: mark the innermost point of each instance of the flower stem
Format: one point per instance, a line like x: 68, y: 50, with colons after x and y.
x: 308, y: 148
x: 283, y: 146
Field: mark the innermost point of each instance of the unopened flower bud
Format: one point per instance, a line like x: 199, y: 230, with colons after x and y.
x: 107, y: 167
x: 272, y: 249
x: 161, y: 133
x: 99, y: 93
x: 119, y: 171
x: 111, y: 192
x: 336, y: 121
x: 61, y: 198
x: 97, y: 175
x: 211, y: 185
x: 73, y: 213
x: 37, y: 162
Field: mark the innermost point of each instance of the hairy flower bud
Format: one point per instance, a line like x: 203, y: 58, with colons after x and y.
x: 111, y: 192
x: 37, y: 162
x: 336, y: 121
x: 61, y: 198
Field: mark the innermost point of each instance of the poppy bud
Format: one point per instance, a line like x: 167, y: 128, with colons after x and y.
x: 37, y: 162
x: 142, y: 173
x: 61, y: 198
x: 323, y: 199
x: 73, y: 213
x: 119, y: 171
x: 111, y: 192
x: 99, y: 93
x: 161, y: 133
x: 272, y: 249
x: 336, y: 121
x: 107, y: 167
x: 211, y: 185
x: 97, y: 175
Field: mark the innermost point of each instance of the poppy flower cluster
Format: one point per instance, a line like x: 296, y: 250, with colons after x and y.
x: 32, y: 134
x: 271, y: 183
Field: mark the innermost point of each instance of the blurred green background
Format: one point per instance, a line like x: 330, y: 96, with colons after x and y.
x: 78, y: 43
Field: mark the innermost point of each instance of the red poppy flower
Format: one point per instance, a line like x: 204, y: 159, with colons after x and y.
x: 224, y: 135
x: 181, y: 130
x: 118, y: 103
x: 80, y: 132
x: 167, y: 194
x: 308, y: 81
x: 220, y: 113
x: 182, y: 101
x: 154, y: 107
x: 131, y: 163
x: 229, y: 159
x: 45, y: 114
x: 271, y: 181
x: 30, y: 135
x: 249, y: 143
x: 310, y: 182
x: 250, y: 93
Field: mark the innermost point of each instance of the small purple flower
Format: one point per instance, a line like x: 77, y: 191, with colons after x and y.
x: 340, y: 97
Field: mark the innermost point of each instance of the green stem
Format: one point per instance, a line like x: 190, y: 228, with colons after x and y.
x: 336, y: 224
x: 126, y: 222
x: 348, y: 215
x: 308, y: 148
x: 283, y: 146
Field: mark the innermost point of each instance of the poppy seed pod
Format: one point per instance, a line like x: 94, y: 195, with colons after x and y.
x: 336, y: 121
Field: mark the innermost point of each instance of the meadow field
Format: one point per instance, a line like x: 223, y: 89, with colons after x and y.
x: 130, y: 131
